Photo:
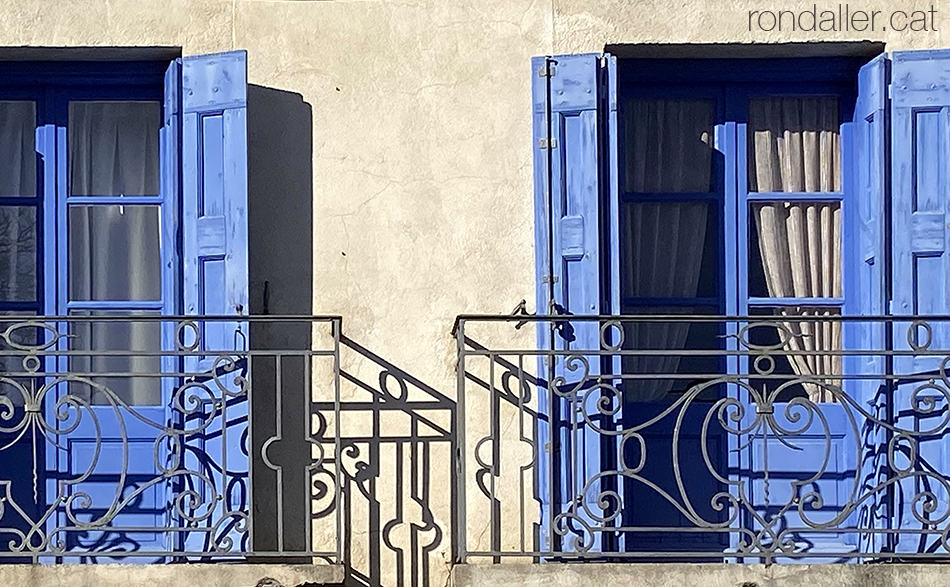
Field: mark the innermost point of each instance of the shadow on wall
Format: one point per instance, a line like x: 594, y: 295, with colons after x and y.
x: 398, y: 439
x: 280, y: 201
x: 280, y: 233
x: 398, y: 433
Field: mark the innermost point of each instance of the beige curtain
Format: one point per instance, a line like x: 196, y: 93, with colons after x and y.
x: 795, y: 147
x: 669, y: 151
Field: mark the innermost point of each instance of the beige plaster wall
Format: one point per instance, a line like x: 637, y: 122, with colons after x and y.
x: 421, y: 187
x: 587, y: 25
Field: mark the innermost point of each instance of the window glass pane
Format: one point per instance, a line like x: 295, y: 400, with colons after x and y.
x: 795, y: 250
x: 805, y: 359
x: 668, y: 145
x: 794, y: 145
x: 669, y: 250
x: 17, y: 149
x: 114, y: 253
x: 127, y: 336
x: 113, y: 148
x: 17, y: 253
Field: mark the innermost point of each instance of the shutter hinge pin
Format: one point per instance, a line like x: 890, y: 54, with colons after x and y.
x: 546, y: 70
x: 544, y: 144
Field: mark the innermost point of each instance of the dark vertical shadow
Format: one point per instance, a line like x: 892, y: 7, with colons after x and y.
x: 280, y: 227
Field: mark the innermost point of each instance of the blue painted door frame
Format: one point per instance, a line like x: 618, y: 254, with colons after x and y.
x: 50, y: 86
x: 765, y: 448
x: 734, y: 297
x: 808, y: 76
x: 117, y: 448
x: 214, y: 161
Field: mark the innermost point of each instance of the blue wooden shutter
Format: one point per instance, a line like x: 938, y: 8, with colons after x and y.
x: 170, y: 188
x: 214, y: 188
x: 575, y: 154
x: 920, y: 199
x: 214, y: 266
x: 865, y: 281
x: 920, y: 279
x: 864, y: 216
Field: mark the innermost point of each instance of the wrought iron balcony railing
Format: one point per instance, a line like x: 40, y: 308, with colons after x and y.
x: 147, y: 438
x: 796, y: 435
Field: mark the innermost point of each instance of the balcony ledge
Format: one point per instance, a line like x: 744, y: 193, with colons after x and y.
x: 156, y: 575
x: 706, y: 575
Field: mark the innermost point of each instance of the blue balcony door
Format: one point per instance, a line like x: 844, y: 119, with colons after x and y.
x: 673, y: 149
x: 113, y: 269
x: 702, y: 211
x: 143, y: 205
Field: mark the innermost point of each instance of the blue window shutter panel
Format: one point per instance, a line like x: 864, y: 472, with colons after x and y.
x: 865, y: 202
x: 920, y: 199
x: 920, y: 277
x: 574, y: 99
x: 170, y: 189
x: 865, y: 276
x: 215, y: 261
x: 170, y: 185
x: 864, y: 206
x: 214, y: 186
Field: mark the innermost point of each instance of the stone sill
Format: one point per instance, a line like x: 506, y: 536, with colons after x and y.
x: 701, y: 574
x: 188, y: 575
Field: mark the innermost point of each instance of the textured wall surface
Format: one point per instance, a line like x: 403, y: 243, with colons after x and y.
x: 707, y: 575
x: 421, y: 195
x: 171, y: 575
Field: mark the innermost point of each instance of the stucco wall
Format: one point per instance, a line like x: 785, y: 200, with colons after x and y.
x: 206, y: 575
x: 421, y: 185
x: 707, y: 575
